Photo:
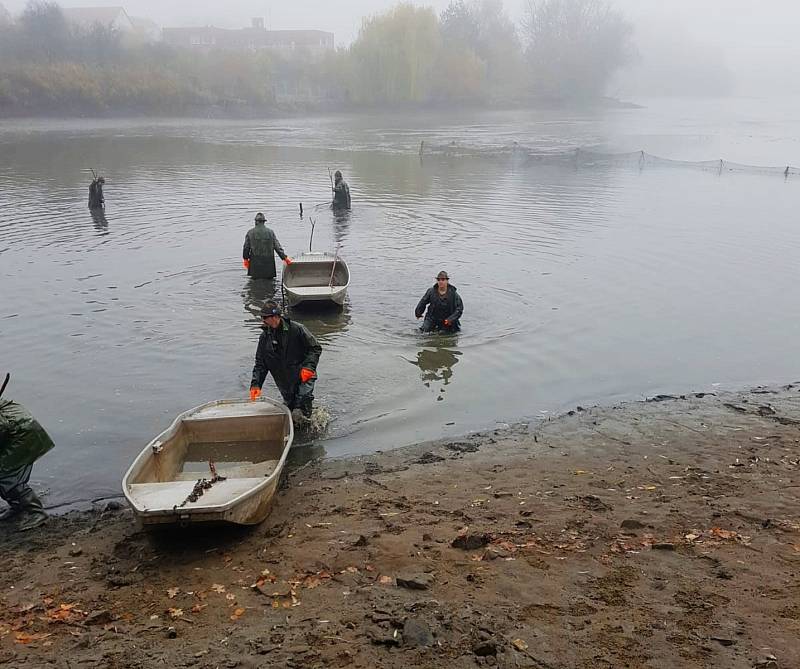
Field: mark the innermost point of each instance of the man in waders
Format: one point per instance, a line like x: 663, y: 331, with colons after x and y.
x: 96, y: 199
x: 289, y: 352
x: 22, y: 442
x: 444, y: 306
x: 341, y: 192
x: 260, y: 247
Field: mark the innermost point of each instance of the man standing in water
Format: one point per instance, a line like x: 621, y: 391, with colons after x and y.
x: 341, y: 192
x: 444, y: 306
x: 290, y: 353
x: 260, y: 247
x: 96, y: 199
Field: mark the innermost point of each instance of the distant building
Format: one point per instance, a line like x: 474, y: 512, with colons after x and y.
x: 147, y: 29
x: 254, y: 38
x: 108, y: 17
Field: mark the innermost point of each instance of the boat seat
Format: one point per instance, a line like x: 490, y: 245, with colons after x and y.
x: 169, y: 494
x: 313, y: 290
x: 241, y: 471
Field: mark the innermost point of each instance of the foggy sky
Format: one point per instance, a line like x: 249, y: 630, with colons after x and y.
x: 757, y: 40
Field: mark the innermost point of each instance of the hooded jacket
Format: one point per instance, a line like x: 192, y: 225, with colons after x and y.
x: 260, y: 247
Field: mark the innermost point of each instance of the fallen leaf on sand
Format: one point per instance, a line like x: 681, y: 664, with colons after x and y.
x: 25, y: 638
x: 386, y: 580
x: 519, y: 644
x: 724, y: 534
x: 198, y: 607
x: 175, y: 613
x: 230, y: 597
x: 173, y: 592
x: 238, y: 613
x: 216, y: 587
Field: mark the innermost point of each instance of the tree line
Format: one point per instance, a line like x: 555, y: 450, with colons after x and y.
x: 472, y: 52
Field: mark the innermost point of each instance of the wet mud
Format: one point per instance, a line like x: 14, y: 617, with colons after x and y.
x: 656, y: 534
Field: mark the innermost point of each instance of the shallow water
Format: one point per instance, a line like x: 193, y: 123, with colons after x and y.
x: 582, y: 284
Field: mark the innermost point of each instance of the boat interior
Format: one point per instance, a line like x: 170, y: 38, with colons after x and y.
x: 315, y: 274
x: 244, y: 449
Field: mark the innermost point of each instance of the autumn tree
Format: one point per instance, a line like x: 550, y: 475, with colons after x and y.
x: 395, y: 55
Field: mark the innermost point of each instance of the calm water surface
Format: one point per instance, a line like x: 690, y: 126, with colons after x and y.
x: 582, y: 284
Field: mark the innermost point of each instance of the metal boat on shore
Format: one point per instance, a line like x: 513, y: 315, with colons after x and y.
x: 220, y: 462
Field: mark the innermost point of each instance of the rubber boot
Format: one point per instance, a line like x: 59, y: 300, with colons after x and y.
x: 31, y: 512
x: 11, y: 512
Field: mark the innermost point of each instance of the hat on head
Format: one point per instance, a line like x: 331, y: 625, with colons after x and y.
x: 270, y: 309
x: 260, y: 217
x: 442, y: 275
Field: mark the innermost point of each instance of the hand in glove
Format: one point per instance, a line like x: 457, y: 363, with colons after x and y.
x: 255, y: 393
x: 446, y: 323
x: 306, y: 375
x: 287, y: 260
x: 246, y: 263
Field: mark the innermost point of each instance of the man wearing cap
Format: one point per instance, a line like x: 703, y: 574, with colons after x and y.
x: 444, y: 306
x: 260, y: 247
x: 290, y: 353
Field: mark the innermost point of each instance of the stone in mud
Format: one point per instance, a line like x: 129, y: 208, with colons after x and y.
x: 415, y: 581
x: 416, y: 633
x: 428, y: 458
x: 470, y: 542
x: 631, y: 524
x: 485, y: 648
x: 102, y: 617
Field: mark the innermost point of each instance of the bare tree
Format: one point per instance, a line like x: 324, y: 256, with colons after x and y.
x: 574, y: 47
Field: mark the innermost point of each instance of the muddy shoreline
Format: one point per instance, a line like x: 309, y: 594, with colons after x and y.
x: 652, y: 534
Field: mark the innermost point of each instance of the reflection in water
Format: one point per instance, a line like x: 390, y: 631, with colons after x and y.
x: 99, y: 220
x: 341, y: 225
x: 255, y: 293
x: 437, y: 364
x: 324, y: 320
x: 302, y: 454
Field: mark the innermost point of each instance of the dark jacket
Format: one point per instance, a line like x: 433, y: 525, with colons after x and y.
x: 283, y: 352
x: 96, y: 198
x: 341, y: 195
x: 441, y: 307
x: 260, y: 247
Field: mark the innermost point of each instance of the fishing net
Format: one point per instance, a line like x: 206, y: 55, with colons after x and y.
x: 591, y: 158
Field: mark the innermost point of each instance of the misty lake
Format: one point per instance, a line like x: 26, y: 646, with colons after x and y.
x: 583, y: 281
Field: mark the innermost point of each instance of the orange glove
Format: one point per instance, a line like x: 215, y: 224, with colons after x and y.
x: 246, y: 263
x: 306, y: 375
x: 255, y: 393
x: 287, y: 260
x: 446, y: 323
